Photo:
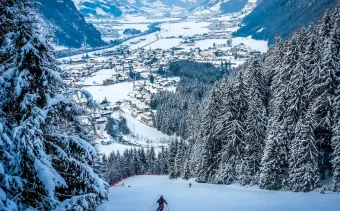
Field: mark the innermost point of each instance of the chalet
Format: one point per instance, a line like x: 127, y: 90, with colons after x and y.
x: 109, y: 81
x: 147, y: 120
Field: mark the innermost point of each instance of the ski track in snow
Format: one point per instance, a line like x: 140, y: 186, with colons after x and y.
x: 145, y: 190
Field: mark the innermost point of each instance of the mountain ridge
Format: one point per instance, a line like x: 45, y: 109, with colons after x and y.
x: 70, y: 27
x: 282, y: 16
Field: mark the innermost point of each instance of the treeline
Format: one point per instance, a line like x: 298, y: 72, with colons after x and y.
x: 132, y: 162
x: 274, y: 121
x: 48, y: 161
x: 172, y: 108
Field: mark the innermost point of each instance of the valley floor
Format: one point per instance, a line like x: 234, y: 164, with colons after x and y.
x: 145, y: 190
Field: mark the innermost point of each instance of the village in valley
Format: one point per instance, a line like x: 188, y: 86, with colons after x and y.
x: 123, y: 78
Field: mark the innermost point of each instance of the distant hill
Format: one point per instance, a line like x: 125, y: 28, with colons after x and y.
x: 283, y: 16
x: 221, y: 6
x: 98, y: 8
x: 70, y: 26
x: 118, y: 7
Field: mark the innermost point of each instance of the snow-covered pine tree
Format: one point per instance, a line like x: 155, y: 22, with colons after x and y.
x: 290, y: 60
x: 270, y: 167
x: 211, y: 146
x: 273, y: 60
x: 326, y: 26
x: 303, y: 160
x: 296, y: 104
x: 336, y: 140
x: 335, y: 37
x: 255, y: 125
x: 186, y: 170
x: 171, y: 159
x: 323, y: 92
x: 151, y: 157
x: 179, y: 159
x: 44, y: 129
x: 163, y: 161
x: 231, y: 131
x: 335, y: 32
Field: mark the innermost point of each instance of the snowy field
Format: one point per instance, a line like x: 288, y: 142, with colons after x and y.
x: 165, y: 44
x: 205, y: 44
x: 185, y: 28
x: 113, y: 93
x: 99, y: 77
x: 145, y: 190
x: 141, y: 133
x: 149, y: 38
x: 142, y: 19
x: 142, y: 27
x: 259, y: 45
x: 142, y: 130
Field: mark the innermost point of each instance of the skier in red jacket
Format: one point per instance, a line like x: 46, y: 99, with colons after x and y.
x: 161, y: 202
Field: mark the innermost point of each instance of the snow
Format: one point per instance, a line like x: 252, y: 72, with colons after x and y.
x: 142, y: 130
x: 100, y: 11
x: 259, y: 45
x: 114, y: 147
x: 165, y: 43
x: 2, y: 195
x: 149, y: 38
x: 205, y: 44
x: 113, y: 93
x: 59, y: 47
x: 143, y: 19
x: 76, y: 3
x: 145, y: 190
x: 99, y: 77
x: 187, y: 28
x: 142, y: 27
x: 260, y: 30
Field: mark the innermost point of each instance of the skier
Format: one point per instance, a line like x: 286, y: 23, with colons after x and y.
x: 161, y: 202
x: 190, y: 185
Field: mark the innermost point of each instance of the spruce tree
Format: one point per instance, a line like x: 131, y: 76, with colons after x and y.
x: 211, y: 145
x: 335, y: 37
x: 336, y: 141
x: 255, y: 126
x: 43, y: 125
x: 303, y: 160
x: 171, y: 159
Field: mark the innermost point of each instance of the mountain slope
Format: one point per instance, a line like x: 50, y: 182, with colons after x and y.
x: 70, y: 26
x: 118, y: 7
x: 222, y: 6
x: 98, y: 7
x: 202, y: 197
x: 283, y: 16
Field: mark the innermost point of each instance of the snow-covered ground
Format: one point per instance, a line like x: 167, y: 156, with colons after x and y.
x: 99, y: 77
x: 165, y: 44
x: 145, y: 190
x: 142, y: 27
x: 205, y: 44
x: 185, y: 28
x: 142, y: 130
x: 113, y: 93
x: 259, y: 45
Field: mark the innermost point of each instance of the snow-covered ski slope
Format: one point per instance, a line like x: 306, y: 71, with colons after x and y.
x: 145, y: 190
